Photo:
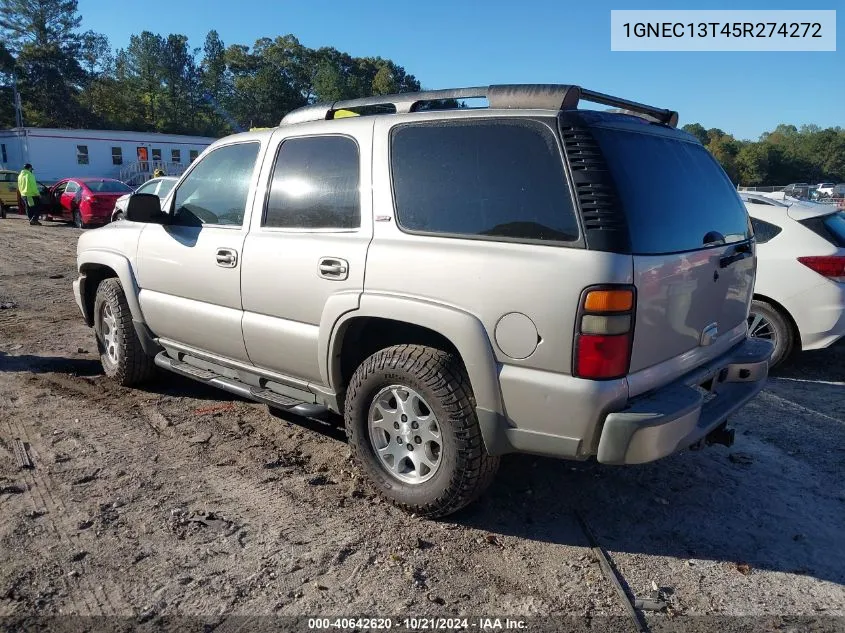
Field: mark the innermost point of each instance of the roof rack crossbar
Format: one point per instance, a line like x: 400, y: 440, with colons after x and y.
x: 505, y: 96
x: 669, y: 117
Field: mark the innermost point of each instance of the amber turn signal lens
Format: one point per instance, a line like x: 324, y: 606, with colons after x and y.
x: 609, y: 300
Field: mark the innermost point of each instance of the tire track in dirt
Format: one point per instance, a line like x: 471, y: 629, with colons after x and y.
x: 40, y: 485
x: 96, y: 600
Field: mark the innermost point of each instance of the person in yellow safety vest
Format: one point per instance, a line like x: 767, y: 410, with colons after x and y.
x: 30, y: 195
x: 158, y: 173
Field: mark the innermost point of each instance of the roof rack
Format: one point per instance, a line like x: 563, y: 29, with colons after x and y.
x: 503, y: 96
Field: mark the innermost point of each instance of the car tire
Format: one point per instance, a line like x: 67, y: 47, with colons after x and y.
x: 767, y: 322
x: 450, y: 467
x: 3, y: 211
x: 121, y: 353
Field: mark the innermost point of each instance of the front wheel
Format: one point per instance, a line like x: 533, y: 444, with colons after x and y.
x: 121, y: 353
x: 766, y: 322
x: 411, y: 423
x: 3, y: 211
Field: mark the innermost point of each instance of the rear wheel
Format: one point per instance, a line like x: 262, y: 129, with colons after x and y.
x: 3, y: 211
x: 411, y: 422
x: 121, y: 353
x: 768, y: 323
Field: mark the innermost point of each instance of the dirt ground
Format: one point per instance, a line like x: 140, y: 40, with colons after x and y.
x: 180, y: 500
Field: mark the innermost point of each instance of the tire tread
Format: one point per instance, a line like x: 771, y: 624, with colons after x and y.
x: 444, y: 374
x: 136, y: 366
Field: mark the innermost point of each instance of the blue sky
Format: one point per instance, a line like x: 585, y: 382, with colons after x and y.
x: 452, y: 43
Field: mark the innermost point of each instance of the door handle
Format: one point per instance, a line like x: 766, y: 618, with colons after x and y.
x: 227, y: 257
x: 333, y: 268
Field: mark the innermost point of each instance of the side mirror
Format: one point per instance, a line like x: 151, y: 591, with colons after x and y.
x: 145, y: 207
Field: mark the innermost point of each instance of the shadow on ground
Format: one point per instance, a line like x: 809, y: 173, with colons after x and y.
x: 824, y: 364
x: 50, y: 364
x: 775, y: 500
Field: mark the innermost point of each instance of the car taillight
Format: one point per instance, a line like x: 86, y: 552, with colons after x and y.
x: 604, y: 333
x: 832, y: 266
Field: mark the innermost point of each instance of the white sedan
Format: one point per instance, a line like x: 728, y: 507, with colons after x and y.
x: 159, y: 186
x: 799, y: 296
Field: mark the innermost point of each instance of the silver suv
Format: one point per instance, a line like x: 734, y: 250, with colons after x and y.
x: 459, y: 283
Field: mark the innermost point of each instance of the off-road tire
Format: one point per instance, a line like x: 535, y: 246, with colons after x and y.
x: 3, y: 211
x: 784, y: 335
x: 466, y: 470
x: 133, y: 365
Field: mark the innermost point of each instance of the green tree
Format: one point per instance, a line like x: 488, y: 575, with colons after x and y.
x: 42, y: 35
x: 698, y: 131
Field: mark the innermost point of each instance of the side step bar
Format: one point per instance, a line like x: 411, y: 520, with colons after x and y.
x: 264, y: 396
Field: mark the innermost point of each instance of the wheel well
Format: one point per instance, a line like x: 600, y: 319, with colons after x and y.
x: 364, y: 336
x: 94, y: 275
x: 786, y: 315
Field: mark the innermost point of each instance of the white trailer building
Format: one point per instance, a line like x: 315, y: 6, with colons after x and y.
x: 128, y: 156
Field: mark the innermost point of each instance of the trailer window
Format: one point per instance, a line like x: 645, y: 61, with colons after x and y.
x: 176, y: 156
x: 116, y: 156
x: 82, y: 154
x: 192, y: 155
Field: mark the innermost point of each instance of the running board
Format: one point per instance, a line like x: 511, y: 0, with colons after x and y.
x: 264, y: 396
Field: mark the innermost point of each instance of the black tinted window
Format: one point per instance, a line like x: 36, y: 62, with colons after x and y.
x: 315, y: 184
x: 673, y: 192
x: 216, y: 190
x: 498, y: 179
x: 764, y: 231
x: 107, y: 186
x: 830, y: 227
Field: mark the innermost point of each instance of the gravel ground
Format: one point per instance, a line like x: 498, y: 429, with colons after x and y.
x: 179, y: 500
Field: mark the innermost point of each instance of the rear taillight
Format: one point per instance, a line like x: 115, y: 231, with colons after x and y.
x: 832, y: 266
x: 604, y: 333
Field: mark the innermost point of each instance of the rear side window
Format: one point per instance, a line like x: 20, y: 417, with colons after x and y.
x: 674, y: 194
x: 764, y: 231
x: 315, y: 184
x: 830, y: 227
x: 497, y: 179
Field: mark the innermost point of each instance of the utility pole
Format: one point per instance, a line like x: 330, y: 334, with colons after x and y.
x: 17, y: 98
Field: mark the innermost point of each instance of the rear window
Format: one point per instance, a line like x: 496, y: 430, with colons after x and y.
x: 499, y: 179
x: 830, y: 227
x: 675, y: 195
x: 107, y: 186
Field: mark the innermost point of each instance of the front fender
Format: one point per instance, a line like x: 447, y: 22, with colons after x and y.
x: 91, y: 259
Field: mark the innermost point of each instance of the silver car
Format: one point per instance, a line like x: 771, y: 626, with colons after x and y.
x: 458, y: 283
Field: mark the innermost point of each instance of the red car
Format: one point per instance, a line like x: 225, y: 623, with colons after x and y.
x: 85, y: 201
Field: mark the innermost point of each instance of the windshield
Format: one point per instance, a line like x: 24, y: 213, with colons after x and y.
x: 107, y: 186
x: 675, y: 196
x: 166, y: 186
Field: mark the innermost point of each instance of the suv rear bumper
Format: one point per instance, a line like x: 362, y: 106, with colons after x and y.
x: 680, y: 414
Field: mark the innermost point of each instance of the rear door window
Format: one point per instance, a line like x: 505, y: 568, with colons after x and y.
x: 674, y: 194
x: 499, y: 179
x: 764, y: 231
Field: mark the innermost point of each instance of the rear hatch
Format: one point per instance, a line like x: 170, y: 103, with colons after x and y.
x: 102, y: 204
x: 690, y: 239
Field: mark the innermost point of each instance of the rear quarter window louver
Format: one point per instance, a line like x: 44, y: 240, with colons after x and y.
x: 601, y: 213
